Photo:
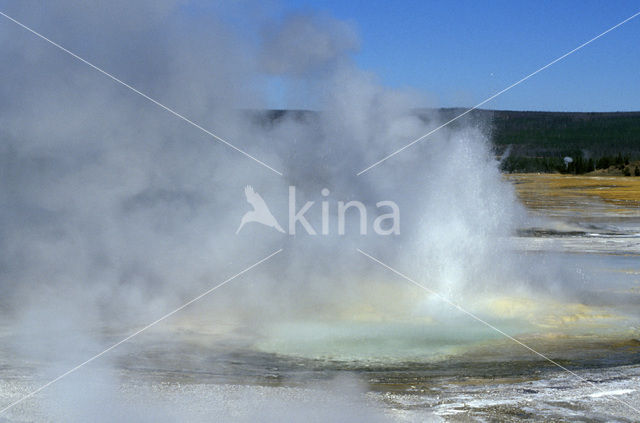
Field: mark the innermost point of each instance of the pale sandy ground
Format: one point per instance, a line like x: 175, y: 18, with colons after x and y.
x: 557, y: 397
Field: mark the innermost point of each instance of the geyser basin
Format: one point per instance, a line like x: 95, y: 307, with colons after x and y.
x: 370, y: 341
x: 577, y: 326
x: 600, y: 317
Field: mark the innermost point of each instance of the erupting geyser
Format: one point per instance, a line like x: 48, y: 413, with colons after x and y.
x: 115, y: 212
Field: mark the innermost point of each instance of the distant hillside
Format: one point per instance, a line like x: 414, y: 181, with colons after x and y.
x: 541, y: 133
x: 538, y: 141
x: 594, y: 134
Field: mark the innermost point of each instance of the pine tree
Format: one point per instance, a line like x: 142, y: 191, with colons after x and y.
x: 590, y: 166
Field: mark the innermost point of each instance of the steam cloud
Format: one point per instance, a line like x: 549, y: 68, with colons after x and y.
x: 115, y: 212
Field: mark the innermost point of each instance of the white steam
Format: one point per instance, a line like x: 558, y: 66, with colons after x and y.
x: 115, y: 212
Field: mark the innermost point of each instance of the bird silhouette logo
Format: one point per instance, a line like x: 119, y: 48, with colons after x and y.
x: 260, y: 212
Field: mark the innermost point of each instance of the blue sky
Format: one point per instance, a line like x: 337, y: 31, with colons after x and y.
x: 460, y: 52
